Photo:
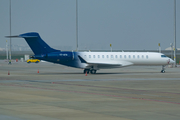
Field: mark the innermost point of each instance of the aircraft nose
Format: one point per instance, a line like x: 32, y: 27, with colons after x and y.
x: 171, y: 61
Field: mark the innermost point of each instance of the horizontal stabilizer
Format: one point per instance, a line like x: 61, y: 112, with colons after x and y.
x: 15, y: 36
x: 20, y: 36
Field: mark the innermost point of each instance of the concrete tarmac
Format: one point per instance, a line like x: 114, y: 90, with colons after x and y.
x: 62, y: 93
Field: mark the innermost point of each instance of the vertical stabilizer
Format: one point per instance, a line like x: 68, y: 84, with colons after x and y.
x: 37, y: 45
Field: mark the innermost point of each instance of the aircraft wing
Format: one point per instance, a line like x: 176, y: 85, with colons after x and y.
x: 101, y: 64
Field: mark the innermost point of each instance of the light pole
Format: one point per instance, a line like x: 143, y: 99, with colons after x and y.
x: 76, y: 25
x: 7, y: 50
x: 171, y: 45
x: 111, y: 47
x: 10, y: 31
x: 159, y: 47
x: 174, y: 33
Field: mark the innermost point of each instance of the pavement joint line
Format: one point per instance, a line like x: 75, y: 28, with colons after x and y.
x: 70, y: 91
x: 112, y: 88
x: 96, y: 86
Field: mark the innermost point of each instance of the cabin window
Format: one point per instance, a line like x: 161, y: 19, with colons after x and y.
x: 146, y: 56
x: 138, y: 56
x: 89, y: 56
x: 120, y: 56
x: 133, y: 56
x: 107, y: 56
x: 102, y: 56
x: 142, y: 56
x: 98, y: 56
x: 124, y: 56
x: 129, y: 56
x: 116, y: 56
x: 112, y: 56
x: 94, y: 56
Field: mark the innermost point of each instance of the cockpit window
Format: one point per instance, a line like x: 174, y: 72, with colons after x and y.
x: 163, y: 56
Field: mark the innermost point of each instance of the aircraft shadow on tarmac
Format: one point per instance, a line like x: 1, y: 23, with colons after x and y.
x: 100, y: 73
x: 55, y: 73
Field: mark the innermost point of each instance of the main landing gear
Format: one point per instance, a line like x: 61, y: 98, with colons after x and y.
x: 163, y: 69
x: 91, y: 71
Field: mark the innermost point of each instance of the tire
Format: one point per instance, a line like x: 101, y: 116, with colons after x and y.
x: 93, y: 71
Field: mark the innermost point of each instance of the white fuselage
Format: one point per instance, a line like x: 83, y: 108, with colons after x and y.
x: 124, y: 59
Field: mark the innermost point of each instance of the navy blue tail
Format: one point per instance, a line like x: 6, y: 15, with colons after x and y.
x: 37, y: 45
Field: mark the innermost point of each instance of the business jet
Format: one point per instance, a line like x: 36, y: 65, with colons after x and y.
x: 92, y: 61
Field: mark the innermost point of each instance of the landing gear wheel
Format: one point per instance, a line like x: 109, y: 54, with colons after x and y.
x: 163, y: 69
x: 93, y: 71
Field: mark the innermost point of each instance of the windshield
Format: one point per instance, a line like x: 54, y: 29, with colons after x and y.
x: 163, y: 56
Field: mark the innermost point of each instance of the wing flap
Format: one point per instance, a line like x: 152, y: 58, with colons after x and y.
x: 113, y: 63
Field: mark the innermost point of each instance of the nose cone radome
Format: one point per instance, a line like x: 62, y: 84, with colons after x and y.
x: 171, y: 61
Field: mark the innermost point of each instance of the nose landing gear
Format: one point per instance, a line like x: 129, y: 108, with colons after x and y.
x: 163, y: 69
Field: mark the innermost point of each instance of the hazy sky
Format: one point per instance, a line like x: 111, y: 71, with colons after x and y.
x: 126, y: 24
